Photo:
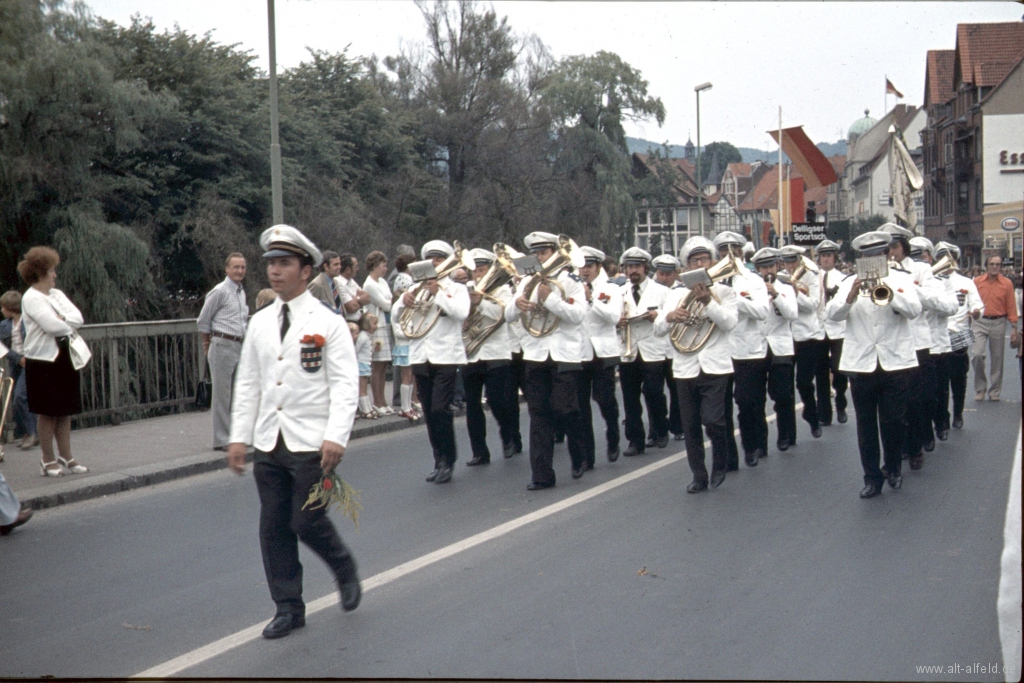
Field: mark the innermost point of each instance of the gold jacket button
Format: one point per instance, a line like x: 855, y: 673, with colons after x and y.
x: 279, y: 407
x: 280, y: 357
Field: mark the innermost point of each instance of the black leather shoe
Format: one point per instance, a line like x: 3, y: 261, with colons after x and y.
x: 750, y: 458
x: 826, y: 423
x: 351, y: 594
x: 783, y: 444
x: 433, y: 475
x: 662, y: 442
x: 761, y: 453
x: 916, y: 461
x: 24, y: 514
x: 613, y: 454
x: 477, y: 460
x: 895, y: 480
x: 651, y: 442
x: 283, y: 624
x: 716, y: 479
x: 589, y: 466
x: 841, y: 417
x: 958, y: 422
x: 577, y: 472
x: 633, y: 449
x: 508, y: 450
x: 942, y: 435
x: 697, y: 486
x: 929, y: 446
x: 816, y: 432
x: 870, y: 490
x: 679, y: 437
x: 537, y: 486
x: 444, y: 475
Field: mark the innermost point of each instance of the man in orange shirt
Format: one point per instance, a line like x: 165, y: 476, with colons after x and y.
x: 990, y: 330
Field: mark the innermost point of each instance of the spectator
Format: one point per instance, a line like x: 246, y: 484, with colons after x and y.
x: 265, y: 298
x: 222, y: 324
x: 403, y: 250
x: 380, y: 307
x: 51, y: 380
x: 323, y: 286
x: 12, y: 335
x: 990, y: 330
x: 400, y: 351
x: 352, y: 298
x: 362, y: 336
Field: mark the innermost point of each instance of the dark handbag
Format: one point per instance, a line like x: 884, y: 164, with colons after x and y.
x: 204, y: 392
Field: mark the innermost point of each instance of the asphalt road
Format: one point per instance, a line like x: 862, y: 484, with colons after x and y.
x: 782, y: 573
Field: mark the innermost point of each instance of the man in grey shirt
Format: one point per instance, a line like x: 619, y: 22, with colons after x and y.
x: 222, y: 325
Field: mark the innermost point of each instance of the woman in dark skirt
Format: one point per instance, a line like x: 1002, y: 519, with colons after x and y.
x: 50, y: 378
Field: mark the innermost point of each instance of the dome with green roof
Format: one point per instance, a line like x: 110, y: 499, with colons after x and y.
x: 861, y: 126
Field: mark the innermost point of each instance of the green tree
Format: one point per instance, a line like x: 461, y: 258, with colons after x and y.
x: 726, y: 153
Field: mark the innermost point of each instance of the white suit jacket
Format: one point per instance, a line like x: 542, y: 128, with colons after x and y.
x: 746, y: 341
x: 782, y: 311
x: 716, y: 356
x: 443, y: 344
x: 968, y: 300
x: 565, y: 343
x: 605, y: 310
x: 291, y: 387
x: 834, y: 329
x: 497, y: 345
x: 652, y: 295
x: 934, y: 299
x: 807, y: 324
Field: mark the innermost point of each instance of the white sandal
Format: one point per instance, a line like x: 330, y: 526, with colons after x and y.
x: 72, y: 468
x: 47, y: 472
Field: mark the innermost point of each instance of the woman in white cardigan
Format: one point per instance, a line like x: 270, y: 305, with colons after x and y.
x: 376, y: 285
x: 50, y: 379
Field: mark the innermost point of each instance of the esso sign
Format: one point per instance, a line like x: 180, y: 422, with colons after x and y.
x: 1009, y: 224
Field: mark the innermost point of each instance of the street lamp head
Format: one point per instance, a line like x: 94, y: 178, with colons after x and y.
x: 702, y: 87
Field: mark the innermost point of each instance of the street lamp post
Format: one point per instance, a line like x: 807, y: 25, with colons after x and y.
x: 275, y: 144
x: 700, y: 211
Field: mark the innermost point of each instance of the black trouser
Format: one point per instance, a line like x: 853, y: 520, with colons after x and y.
x: 494, y: 375
x: 597, y: 380
x: 808, y: 357
x: 828, y: 364
x: 940, y: 406
x: 435, y: 385
x: 648, y: 378
x: 919, y: 404
x: 675, y: 423
x: 516, y: 381
x: 780, y: 389
x: 958, y: 365
x: 283, y: 480
x: 880, y: 400
x: 751, y: 380
x: 732, y: 461
x: 702, y: 402
x: 552, y: 397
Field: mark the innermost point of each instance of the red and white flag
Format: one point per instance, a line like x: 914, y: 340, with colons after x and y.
x: 890, y: 89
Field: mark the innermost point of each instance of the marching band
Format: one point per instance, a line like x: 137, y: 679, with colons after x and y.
x: 724, y: 327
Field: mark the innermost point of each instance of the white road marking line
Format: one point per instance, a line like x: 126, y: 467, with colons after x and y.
x: 219, y: 647
x: 1008, y: 606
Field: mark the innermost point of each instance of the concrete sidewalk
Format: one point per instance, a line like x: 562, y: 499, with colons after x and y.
x: 136, y: 454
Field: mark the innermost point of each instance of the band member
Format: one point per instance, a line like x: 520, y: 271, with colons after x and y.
x: 553, y: 360
x: 828, y: 257
x: 642, y: 369
x: 749, y: 347
x: 779, y: 356
x: 808, y: 334
x: 436, y: 356
x: 970, y: 307
x: 666, y: 272
x: 601, y: 353
x: 879, y: 358
x: 517, y: 375
x: 934, y: 298
x: 489, y: 366
x: 701, y: 376
x: 295, y: 402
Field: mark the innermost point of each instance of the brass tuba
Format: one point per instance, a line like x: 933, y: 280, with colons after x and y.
x: 417, y: 320
x: 540, y: 322
x: 692, y: 336
x: 478, y: 328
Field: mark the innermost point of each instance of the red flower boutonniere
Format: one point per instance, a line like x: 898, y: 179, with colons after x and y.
x: 963, y: 291
x: 316, y: 340
x: 603, y: 297
x: 571, y: 301
x: 745, y: 294
x: 900, y: 290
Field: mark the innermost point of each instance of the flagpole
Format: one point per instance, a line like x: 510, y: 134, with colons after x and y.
x: 780, y: 230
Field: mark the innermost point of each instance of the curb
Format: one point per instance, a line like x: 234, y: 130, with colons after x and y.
x: 158, y: 473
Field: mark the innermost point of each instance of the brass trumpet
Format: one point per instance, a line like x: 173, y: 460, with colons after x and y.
x: 417, y: 320
x: 478, y: 328
x: 626, y: 333
x: 540, y: 322
x: 693, y: 335
x: 870, y: 271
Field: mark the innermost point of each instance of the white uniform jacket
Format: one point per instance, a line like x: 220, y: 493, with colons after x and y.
x: 716, y: 356
x: 939, y: 320
x: 934, y: 298
x: 807, y: 324
x: 968, y: 300
x: 565, y: 343
x: 652, y: 295
x: 782, y: 312
x: 829, y: 279
x: 306, y: 393
x: 497, y: 345
x: 746, y: 341
x: 443, y: 344
x: 604, y: 311
x: 878, y: 335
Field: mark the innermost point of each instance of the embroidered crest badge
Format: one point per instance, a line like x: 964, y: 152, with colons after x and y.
x: 312, y: 352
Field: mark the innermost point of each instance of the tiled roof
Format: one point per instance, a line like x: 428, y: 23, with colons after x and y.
x: 938, y: 79
x: 686, y: 169
x: 1016, y: 65
x: 739, y: 169
x: 986, y: 52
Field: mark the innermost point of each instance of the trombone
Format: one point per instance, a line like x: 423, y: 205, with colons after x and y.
x: 540, y: 322
x: 417, y: 320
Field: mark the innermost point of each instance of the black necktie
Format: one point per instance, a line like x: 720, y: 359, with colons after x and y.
x: 284, y: 321
x: 636, y: 294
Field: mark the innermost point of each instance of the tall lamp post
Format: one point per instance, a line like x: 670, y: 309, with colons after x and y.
x: 700, y: 211
x: 275, y: 144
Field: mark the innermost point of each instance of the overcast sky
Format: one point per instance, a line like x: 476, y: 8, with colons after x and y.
x: 823, y: 63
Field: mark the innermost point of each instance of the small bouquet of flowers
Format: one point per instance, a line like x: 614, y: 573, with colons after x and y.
x: 333, y: 490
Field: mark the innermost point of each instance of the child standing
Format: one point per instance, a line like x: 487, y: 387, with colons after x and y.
x: 362, y: 337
